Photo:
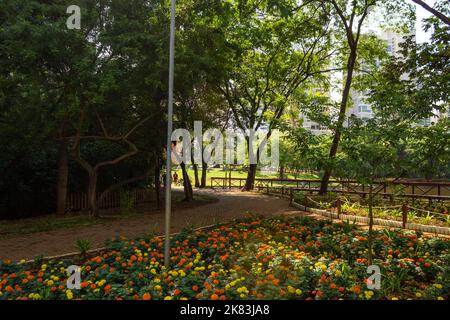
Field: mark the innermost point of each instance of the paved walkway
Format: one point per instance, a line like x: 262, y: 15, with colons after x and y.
x: 231, y: 204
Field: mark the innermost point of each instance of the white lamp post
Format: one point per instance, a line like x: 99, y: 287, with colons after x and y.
x: 169, y: 140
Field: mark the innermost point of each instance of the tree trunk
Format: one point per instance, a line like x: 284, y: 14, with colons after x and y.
x: 281, y: 172
x: 188, y: 193
x: 250, y: 181
x: 340, y: 123
x: 197, y: 182
x: 157, y: 186
x: 92, y: 194
x: 204, y: 172
x: 63, y: 174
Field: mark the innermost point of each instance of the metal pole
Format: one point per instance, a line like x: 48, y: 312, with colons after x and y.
x: 169, y: 139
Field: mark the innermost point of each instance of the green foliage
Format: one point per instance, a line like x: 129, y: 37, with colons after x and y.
x: 83, y: 246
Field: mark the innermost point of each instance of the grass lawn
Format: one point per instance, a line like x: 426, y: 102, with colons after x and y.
x: 253, y: 258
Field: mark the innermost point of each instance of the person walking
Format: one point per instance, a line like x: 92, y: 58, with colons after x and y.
x: 175, y: 178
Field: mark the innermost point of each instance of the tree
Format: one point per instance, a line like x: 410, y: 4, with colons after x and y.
x: 277, y: 48
x: 370, y: 155
x: 359, y: 11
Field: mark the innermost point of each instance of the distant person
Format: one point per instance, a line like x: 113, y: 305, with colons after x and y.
x: 164, y: 179
x: 175, y: 178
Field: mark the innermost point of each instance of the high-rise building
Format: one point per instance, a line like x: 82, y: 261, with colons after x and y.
x: 360, y: 108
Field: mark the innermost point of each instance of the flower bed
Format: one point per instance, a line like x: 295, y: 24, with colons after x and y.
x: 254, y: 258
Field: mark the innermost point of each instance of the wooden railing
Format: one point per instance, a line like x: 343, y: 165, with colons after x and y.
x: 437, y: 190
x: 77, y: 202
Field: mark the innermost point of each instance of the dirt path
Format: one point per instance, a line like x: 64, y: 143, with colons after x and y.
x: 231, y: 204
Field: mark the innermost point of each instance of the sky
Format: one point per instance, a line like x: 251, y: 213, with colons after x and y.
x: 421, y: 13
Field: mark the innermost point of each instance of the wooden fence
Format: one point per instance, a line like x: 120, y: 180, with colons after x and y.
x: 77, y: 202
x: 431, y: 190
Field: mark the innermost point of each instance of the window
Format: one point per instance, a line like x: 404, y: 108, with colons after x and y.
x: 364, y: 108
x: 425, y: 122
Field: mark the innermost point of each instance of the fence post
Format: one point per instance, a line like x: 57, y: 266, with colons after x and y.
x: 339, y: 208
x: 291, y: 196
x: 404, y: 215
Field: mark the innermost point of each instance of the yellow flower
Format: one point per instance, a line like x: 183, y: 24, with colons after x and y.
x: 158, y: 287
x: 168, y: 298
x: 69, y: 294
x: 438, y: 285
x: 50, y: 282
x: 418, y: 295
x: 394, y: 298
x: 291, y: 289
x: 440, y: 298
x: 298, y: 292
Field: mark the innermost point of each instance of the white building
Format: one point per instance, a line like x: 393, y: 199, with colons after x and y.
x: 360, y: 108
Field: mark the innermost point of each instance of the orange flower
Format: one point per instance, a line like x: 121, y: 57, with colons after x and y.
x: 214, y: 297
x: 93, y: 286
x: 83, y: 285
x: 195, y: 288
x: 333, y: 286
x: 146, y: 296
x: 356, y: 289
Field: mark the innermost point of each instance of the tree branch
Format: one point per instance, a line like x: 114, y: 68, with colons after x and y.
x: 436, y: 13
